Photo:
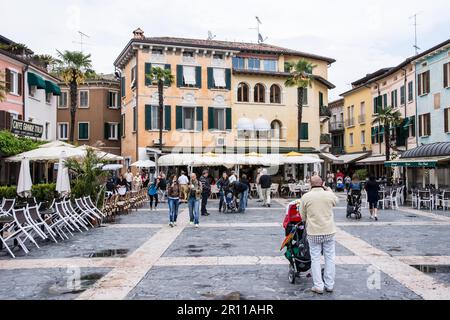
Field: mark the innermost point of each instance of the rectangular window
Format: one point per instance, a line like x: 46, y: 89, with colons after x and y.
x: 189, y: 118
x: 84, y: 99
x: 350, y: 139
x: 32, y: 91
x: 219, y: 78
x: 254, y: 64
x: 83, y: 130
x: 305, y: 96
x: 113, y: 132
x: 424, y: 125
x: 219, y: 119
x: 62, y: 100
x: 12, y: 82
x: 394, y: 98
x: 363, y: 137
x: 113, y: 99
x: 189, y: 76
x: 385, y: 100
x: 270, y: 65
x: 362, y: 109
x: 133, y: 77
x: 423, y: 80
x: 63, y: 129
x: 447, y: 75
x: 402, y: 95
x: 447, y: 120
x: 238, y: 63
x: 410, y: 91
x: 48, y: 97
x: 304, y: 131
x: 154, y: 120
x: 122, y: 125
x: 320, y: 99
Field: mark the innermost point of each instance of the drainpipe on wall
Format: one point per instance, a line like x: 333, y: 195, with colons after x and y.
x: 137, y: 105
x: 24, y: 71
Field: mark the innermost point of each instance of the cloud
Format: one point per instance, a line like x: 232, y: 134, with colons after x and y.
x: 362, y: 36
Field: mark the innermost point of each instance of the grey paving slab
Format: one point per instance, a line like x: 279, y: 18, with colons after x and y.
x: 383, y: 215
x: 86, y: 243
x: 219, y: 242
x: 145, y: 216
x: 47, y: 284
x: 406, y: 240
x: 259, y: 282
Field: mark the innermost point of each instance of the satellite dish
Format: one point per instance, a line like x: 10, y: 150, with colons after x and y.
x: 210, y: 35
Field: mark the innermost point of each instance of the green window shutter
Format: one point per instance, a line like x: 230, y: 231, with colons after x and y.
x: 122, y: 87
x: 120, y: 129
x: 375, y: 109
x: 228, y: 78
x: 168, y: 118
x: 304, y: 132
x: 385, y: 104
x: 148, y: 70
x: 320, y: 99
x: 198, y: 77
x: 148, y: 117
x: 210, y: 78
x: 166, y: 82
x: 210, y: 118
x: 179, y: 118
x: 413, y: 126
x: 228, y: 119
x: 106, y: 131
x: 199, y: 118
x: 179, y: 76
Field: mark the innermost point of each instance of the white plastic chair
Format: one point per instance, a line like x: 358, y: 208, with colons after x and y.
x: 274, y: 190
x: 392, y: 200
x: 425, y: 198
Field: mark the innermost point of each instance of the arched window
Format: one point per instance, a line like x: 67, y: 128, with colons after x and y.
x: 260, y: 93
x: 276, y: 129
x: 275, y: 94
x: 242, y: 94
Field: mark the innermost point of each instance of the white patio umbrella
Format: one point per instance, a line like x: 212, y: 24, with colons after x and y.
x: 112, y: 167
x: 176, y: 159
x: 63, y: 180
x: 144, y: 164
x: 257, y: 159
x: 298, y: 158
x: 102, y: 154
x: 24, y: 184
x: 48, y: 154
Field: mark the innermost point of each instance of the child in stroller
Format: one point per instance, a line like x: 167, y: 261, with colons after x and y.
x: 296, y: 244
x: 354, y: 198
x: 230, y: 202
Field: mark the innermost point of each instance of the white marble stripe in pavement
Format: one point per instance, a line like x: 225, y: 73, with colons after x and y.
x: 59, y: 263
x: 423, y: 213
x: 425, y: 260
x: 120, y: 281
x: 135, y: 226
x: 240, y: 261
x: 423, y: 285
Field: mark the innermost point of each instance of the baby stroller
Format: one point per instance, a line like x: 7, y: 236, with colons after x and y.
x: 354, y: 204
x: 230, y: 201
x: 296, y: 244
x: 340, y: 184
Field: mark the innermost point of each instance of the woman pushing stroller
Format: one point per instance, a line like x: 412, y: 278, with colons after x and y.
x: 354, y: 198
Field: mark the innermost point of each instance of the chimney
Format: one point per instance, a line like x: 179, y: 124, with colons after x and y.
x: 138, y: 34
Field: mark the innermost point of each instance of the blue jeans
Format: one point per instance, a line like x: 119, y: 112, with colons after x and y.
x: 328, y: 248
x: 243, y: 201
x: 173, y: 209
x: 194, y: 208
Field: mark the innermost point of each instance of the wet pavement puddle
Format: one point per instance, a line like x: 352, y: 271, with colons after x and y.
x: 432, y: 269
x: 109, y: 253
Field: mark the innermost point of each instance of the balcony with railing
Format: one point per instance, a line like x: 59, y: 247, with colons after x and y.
x: 350, y: 122
x: 325, y: 111
x: 362, y: 119
x: 336, y: 126
x: 325, y: 138
x: 337, y: 150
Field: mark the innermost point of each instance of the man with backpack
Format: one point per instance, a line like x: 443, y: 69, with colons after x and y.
x: 206, y: 191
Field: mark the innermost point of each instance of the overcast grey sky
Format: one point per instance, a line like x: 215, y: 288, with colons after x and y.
x: 362, y: 36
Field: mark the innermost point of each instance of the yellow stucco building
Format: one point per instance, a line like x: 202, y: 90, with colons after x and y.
x: 226, y: 97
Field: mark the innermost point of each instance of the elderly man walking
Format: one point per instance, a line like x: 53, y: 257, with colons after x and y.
x: 316, y: 208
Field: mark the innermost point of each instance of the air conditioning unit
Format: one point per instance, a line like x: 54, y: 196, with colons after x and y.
x: 157, y: 143
x: 220, y: 142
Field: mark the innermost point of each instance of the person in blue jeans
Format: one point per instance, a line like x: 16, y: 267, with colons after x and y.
x: 241, y: 189
x: 195, y: 195
x: 173, y: 193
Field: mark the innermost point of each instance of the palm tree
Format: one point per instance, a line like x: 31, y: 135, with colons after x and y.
x: 46, y: 60
x: 301, y: 77
x: 388, y: 119
x: 2, y: 87
x: 74, y: 67
x: 161, y: 77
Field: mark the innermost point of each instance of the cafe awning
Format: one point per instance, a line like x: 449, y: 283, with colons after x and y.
x: 350, y: 158
x: 371, y: 161
x: 35, y: 80
x: 417, y: 163
x: 331, y: 157
x: 51, y: 87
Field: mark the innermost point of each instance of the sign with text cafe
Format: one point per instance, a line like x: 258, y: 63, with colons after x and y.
x: 27, y: 129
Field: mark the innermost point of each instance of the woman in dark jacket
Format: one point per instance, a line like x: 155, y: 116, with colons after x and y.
x: 372, y: 188
x: 222, y: 185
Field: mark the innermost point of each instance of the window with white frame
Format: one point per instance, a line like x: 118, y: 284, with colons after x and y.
x: 32, y: 91
x: 48, y: 97
x: 62, y: 100
x: 155, y: 118
x: 447, y: 75
x: 13, y: 81
x: 113, y: 98
x: 423, y: 80
x: 63, y: 130
x: 133, y: 77
x: 254, y: 64
x: 363, y: 137
x: 270, y: 65
x: 219, y: 119
x: 83, y: 130
x: 350, y: 139
x: 189, y: 118
x: 425, y: 125
x: 84, y: 99
x: 113, y: 133
x: 219, y: 78
x: 189, y: 76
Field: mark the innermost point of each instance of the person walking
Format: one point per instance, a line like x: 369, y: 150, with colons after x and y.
x: 246, y: 194
x: 258, y: 185
x: 222, y: 185
x: 206, y: 192
x: 153, y: 193
x: 316, y: 208
x: 266, y: 183
x: 195, y: 191
x: 372, y: 188
x: 330, y: 179
x: 129, y: 178
x: 183, y: 180
x: 173, y: 193
x: 145, y: 181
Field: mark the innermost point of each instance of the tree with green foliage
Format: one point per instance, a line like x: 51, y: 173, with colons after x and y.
x: 301, y: 77
x: 74, y: 67
x: 2, y: 87
x: 388, y: 119
x: 161, y: 77
x: 11, y: 145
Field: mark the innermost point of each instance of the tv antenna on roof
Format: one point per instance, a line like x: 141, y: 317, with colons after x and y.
x: 261, y: 39
x: 210, y: 35
x: 81, y: 42
x: 415, y: 46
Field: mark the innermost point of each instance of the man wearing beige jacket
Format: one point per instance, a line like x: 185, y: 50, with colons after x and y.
x: 316, y: 208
